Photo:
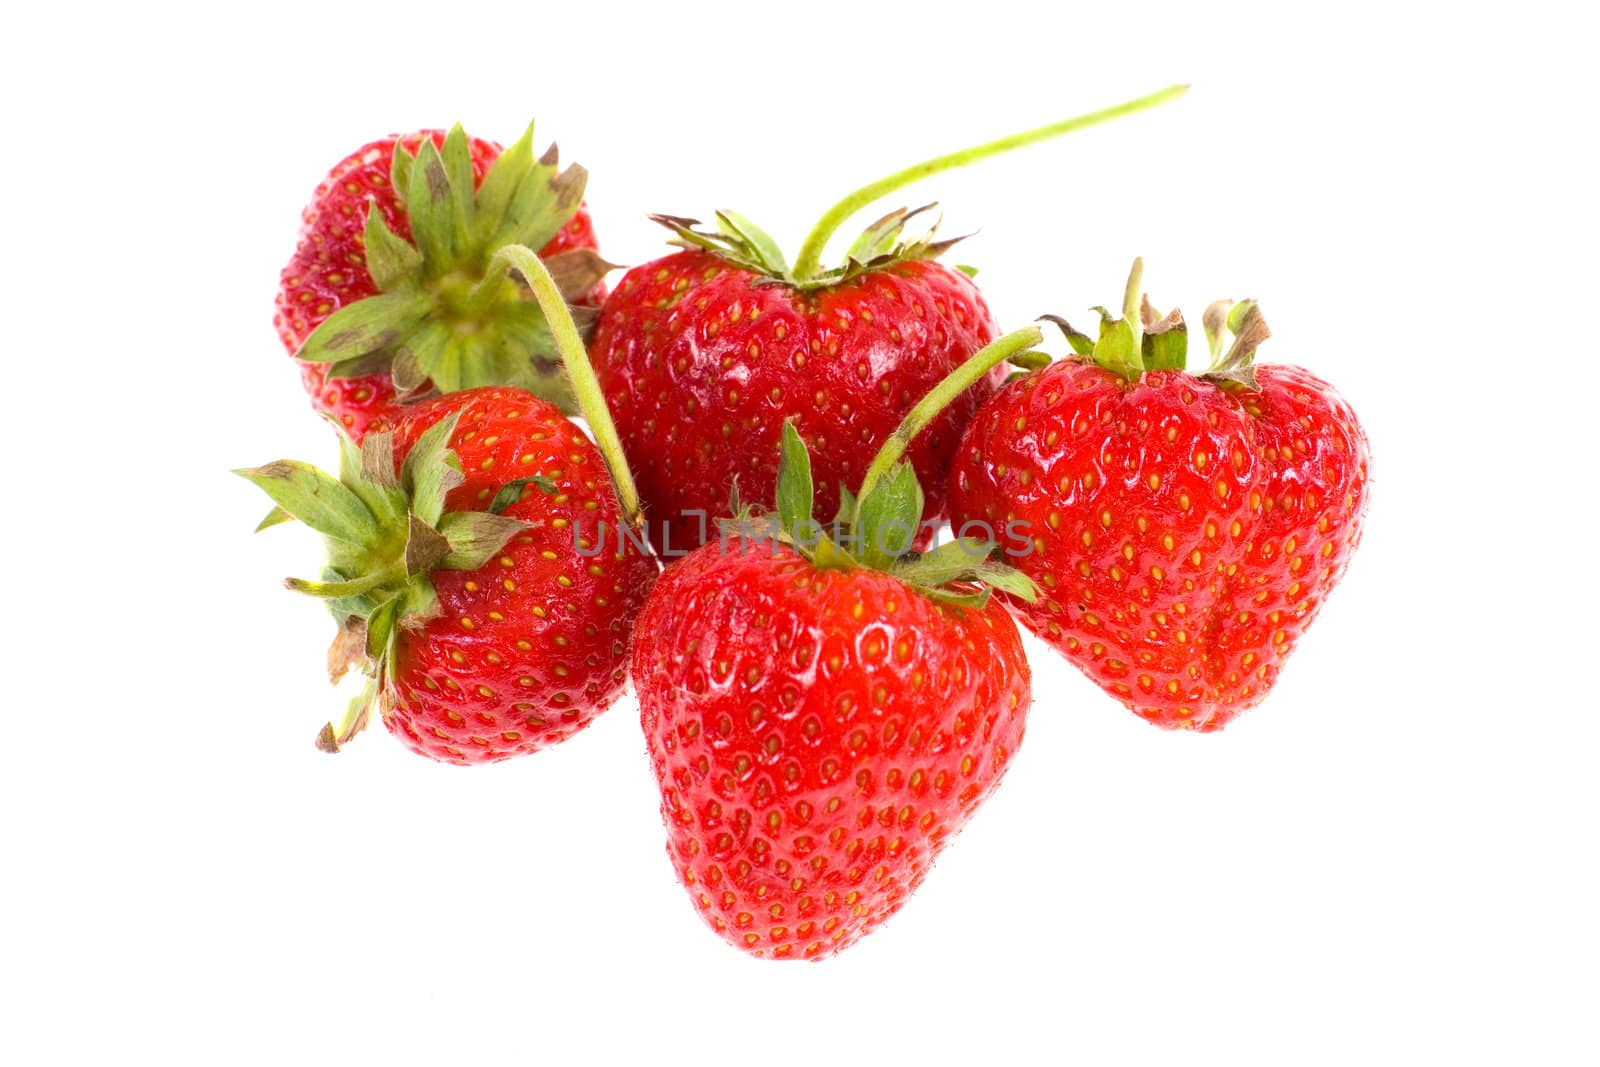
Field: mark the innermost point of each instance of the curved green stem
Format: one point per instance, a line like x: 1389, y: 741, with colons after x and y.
x: 575, y: 357
x: 938, y: 398
x: 810, y: 257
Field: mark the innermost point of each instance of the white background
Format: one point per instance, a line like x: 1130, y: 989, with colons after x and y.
x: 1389, y: 862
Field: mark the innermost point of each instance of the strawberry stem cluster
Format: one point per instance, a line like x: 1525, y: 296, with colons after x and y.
x: 1143, y: 339
x: 877, y: 525
x: 385, y: 533
x: 443, y: 316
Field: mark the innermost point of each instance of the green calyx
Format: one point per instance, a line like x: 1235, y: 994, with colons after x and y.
x: 1144, y: 339
x: 439, y: 319
x: 877, y: 526
x: 744, y: 244
x: 876, y: 531
x: 385, y: 534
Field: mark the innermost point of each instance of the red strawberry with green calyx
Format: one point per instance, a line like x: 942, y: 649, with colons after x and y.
x: 388, y: 296
x: 825, y: 708
x: 704, y: 353
x: 1185, y: 529
x: 483, y: 566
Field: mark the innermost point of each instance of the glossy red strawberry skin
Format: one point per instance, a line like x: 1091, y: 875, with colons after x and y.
x: 528, y: 649
x: 328, y: 269
x: 701, y: 361
x: 1184, y: 535
x: 818, y: 737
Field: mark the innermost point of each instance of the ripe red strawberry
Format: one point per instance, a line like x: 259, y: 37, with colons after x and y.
x: 704, y: 353
x: 824, y: 711
x: 702, y: 359
x: 477, y: 564
x: 357, y: 241
x: 1185, y: 530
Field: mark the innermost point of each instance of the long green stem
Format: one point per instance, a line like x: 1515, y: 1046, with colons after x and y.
x: 810, y: 257
x: 580, y: 372
x: 938, y: 398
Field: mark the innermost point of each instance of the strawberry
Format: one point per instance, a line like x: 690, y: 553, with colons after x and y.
x: 483, y: 571
x: 378, y: 300
x: 825, y: 711
x: 701, y: 361
x: 1185, y: 529
x: 704, y: 353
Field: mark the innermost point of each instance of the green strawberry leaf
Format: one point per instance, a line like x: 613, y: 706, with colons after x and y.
x: 428, y: 204
x: 975, y: 600
x: 1082, y: 344
x: 366, y: 326
x: 275, y: 517
x: 457, y: 160
x: 348, y: 594
x: 730, y: 244
x: 422, y: 351
x: 488, y: 361
x: 431, y: 470
x: 966, y: 559
x: 474, y: 537
x: 1249, y: 327
x: 1165, y: 345
x: 686, y: 236
x: 889, y: 516
x: 316, y: 499
x: 468, y: 363
x: 377, y: 460
x: 1215, y: 321
x: 946, y: 563
x: 826, y: 553
x: 444, y: 368
x: 1007, y: 580
x: 382, y: 627
x: 795, y: 491
x: 499, y: 184
x: 543, y: 202
x: 1117, y: 350
x: 512, y: 492
x: 361, y: 366
x: 419, y: 600
x: 400, y: 170
x: 368, y: 471
x: 847, y: 506
x: 879, y: 238
x: 1238, y: 314
x: 523, y: 323
x: 391, y: 261
x: 758, y: 241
